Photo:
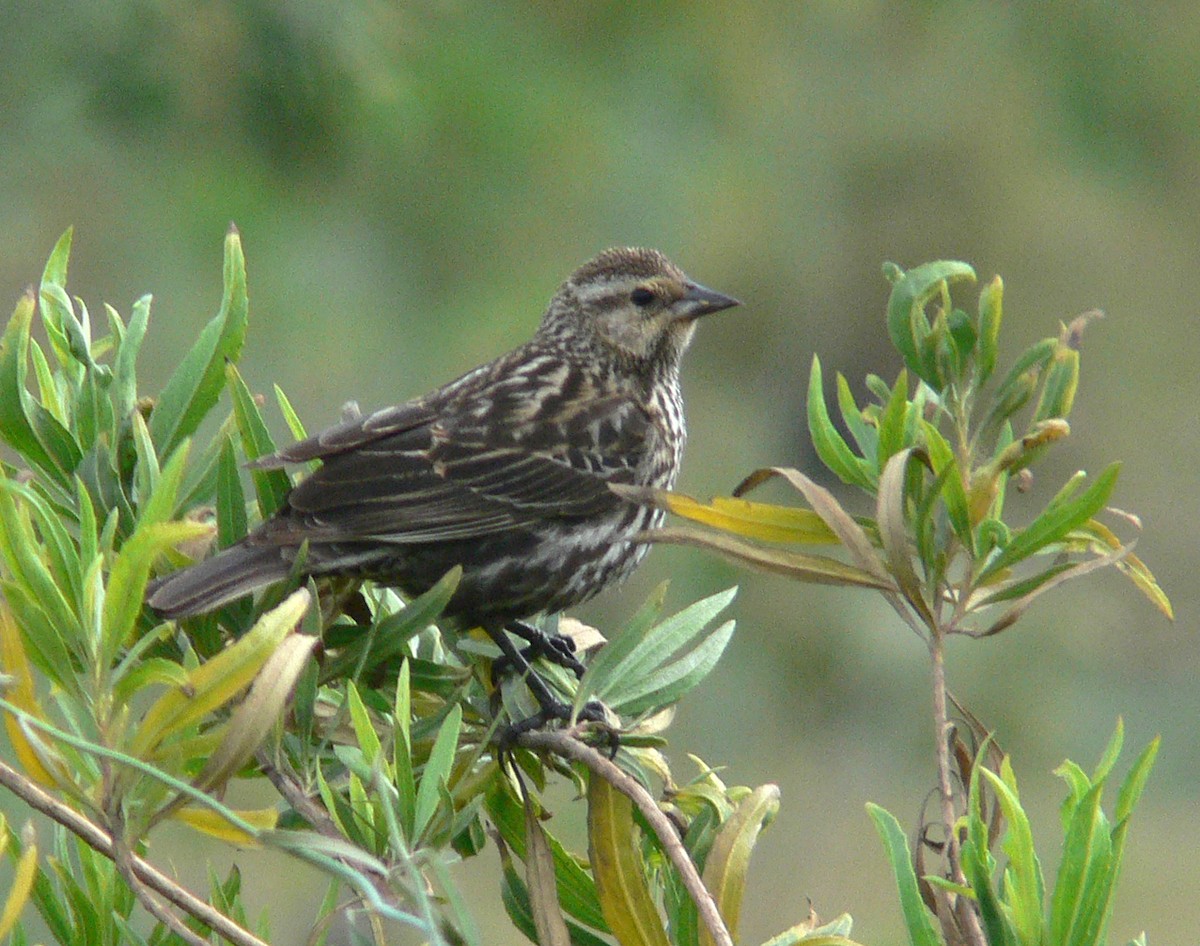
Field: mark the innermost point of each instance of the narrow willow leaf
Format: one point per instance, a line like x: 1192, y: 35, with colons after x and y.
x: 220, y: 679
x: 515, y: 897
x: 258, y: 713
x: 921, y: 931
x: 812, y: 569
x: 197, y: 382
x: 21, y: 693
x: 231, y: 500
x: 865, y: 435
x: 621, y: 667
x: 907, y: 323
x: 19, y: 550
x: 1055, y: 522
x: 576, y: 888
x: 978, y: 866
x: 402, y: 762
x: 990, y: 313
x: 892, y: 422
x: 124, y: 386
x: 542, y: 889
x: 833, y: 450
x: 1037, y: 586
x: 271, y: 486
x: 390, y: 639
x: 1024, y: 889
x: 953, y: 493
x: 210, y: 822
x: 728, y: 860
x: 1086, y: 853
x: 618, y: 868
x: 850, y: 533
x: 1131, y: 566
x: 653, y: 691
x: 16, y: 405
x: 1059, y: 386
x: 436, y: 771
x: 24, y: 875
x: 890, y: 514
x: 763, y: 521
x: 291, y: 418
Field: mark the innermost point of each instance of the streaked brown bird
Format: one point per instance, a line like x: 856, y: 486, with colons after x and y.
x: 504, y: 471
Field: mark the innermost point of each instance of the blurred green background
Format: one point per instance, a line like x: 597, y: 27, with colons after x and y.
x: 413, y: 180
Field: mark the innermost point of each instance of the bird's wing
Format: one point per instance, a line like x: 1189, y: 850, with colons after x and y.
x: 466, y: 475
x: 351, y: 433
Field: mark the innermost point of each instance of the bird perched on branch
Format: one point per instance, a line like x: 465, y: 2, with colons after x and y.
x: 504, y: 471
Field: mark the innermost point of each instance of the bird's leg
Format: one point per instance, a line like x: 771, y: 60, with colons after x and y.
x: 551, y: 707
x: 556, y: 648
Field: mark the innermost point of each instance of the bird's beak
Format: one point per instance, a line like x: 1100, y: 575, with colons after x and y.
x: 698, y: 301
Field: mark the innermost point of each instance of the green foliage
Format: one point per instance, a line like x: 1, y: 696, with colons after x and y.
x: 384, y: 752
x: 938, y: 459
x: 1009, y: 889
x: 387, y: 750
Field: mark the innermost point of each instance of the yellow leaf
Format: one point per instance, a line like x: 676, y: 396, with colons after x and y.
x: 764, y: 521
x: 209, y: 822
x: 617, y: 867
x: 22, y: 694
x: 218, y: 681
x: 23, y: 878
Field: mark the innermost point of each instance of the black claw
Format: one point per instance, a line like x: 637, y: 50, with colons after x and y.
x: 551, y: 707
x: 553, y: 647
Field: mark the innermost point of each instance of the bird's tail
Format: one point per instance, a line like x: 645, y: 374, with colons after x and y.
x: 207, y: 585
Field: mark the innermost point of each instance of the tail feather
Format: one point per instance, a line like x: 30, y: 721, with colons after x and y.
x: 216, y: 581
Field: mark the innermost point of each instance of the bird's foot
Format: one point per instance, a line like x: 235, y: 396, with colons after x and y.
x: 591, y: 712
x: 556, y: 648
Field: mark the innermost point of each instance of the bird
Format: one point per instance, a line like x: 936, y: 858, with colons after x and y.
x: 504, y: 471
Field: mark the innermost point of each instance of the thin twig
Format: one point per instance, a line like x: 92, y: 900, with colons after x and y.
x: 567, y: 746
x: 99, y: 839
x: 123, y: 859
x: 941, y: 720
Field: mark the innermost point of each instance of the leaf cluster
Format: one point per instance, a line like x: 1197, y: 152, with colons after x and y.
x: 377, y: 726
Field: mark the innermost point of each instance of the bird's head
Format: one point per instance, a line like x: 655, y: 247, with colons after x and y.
x: 635, y: 303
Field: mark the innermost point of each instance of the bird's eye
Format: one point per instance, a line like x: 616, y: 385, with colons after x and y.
x: 641, y: 297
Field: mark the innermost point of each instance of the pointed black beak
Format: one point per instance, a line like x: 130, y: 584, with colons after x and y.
x: 698, y: 301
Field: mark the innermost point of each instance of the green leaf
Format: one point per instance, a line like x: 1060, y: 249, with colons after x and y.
x: 728, y: 861
x: 990, y: 312
x: 196, y: 384
x: 390, y: 638
x: 437, y: 771
x: 908, y: 325
x: 124, y: 386
x: 833, y: 450
x: 624, y: 669
x: 953, y: 492
x: 271, y: 486
x: 231, y: 501
x: 865, y: 435
x: 892, y: 421
x: 295, y: 425
x: 26, y: 425
x: 576, y: 889
x: 673, y: 680
x: 1024, y: 888
x: 364, y: 728
x: 1087, y: 851
x: 1056, y: 520
x: 921, y: 931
